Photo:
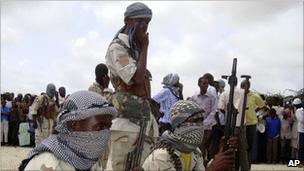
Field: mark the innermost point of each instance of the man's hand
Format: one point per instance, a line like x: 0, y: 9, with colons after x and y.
x: 222, y: 161
x: 142, y: 36
x: 233, y: 144
x: 137, y: 168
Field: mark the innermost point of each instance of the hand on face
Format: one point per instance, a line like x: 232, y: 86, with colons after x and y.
x: 141, y: 33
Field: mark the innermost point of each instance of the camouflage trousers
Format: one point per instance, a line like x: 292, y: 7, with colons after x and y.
x: 132, y: 107
x: 123, y: 142
x: 44, y: 130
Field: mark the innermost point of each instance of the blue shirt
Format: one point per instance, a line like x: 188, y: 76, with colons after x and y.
x: 273, y: 127
x: 4, y: 113
x: 166, y: 99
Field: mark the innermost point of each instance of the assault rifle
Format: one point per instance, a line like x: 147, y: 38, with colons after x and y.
x: 231, y: 111
x: 134, y: 157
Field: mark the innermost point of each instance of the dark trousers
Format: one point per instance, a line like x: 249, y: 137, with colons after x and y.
x: 242, y: 157
x: 13, y: 133
x: 209, y: 146
x: 301, y: 146
x: 272, y: 150
x: 262, y: 141
x: 250, y: 135
x: 285, y: 149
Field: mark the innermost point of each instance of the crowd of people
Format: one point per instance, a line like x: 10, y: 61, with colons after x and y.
x: 98, y: 128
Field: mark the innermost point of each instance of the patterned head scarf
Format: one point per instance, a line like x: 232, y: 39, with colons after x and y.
x: 186, y: 136
x: 170, y: 82
x: 51, y: 90
x: 135, y: 10
x: 79, y: 149
x: 138, y: 10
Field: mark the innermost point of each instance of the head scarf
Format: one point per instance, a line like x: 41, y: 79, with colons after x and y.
x: 186, y: 136
x: 51, y: 90
x: 79, y: 149
x: 170, y: 81
x: 135, y: 10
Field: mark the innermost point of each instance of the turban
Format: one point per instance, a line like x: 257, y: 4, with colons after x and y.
x: 138, y: 10
x: 82, y: 105
x: 185, y: 136
x: 51, y: 90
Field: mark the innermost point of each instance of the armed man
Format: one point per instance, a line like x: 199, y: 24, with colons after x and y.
x: 126, y: 59
x: 44, y: 112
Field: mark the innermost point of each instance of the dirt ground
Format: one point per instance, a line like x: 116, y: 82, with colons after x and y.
x: 11, y: 157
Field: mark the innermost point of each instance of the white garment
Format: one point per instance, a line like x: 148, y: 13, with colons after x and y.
x: 119, y: 61
x: 4, y: 131
x: 47, y: 160
x: 237, y: 101
x: 300, y: 118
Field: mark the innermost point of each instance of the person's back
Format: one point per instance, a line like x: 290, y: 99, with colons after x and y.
x: 166, y: 98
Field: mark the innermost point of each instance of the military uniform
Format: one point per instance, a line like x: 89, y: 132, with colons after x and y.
x: 131, y: 102
x: 97, y: 88
x: 45, y: 110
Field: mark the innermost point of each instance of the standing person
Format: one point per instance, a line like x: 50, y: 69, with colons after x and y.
x: 294, y: 134
x: 61, y: 96
x: 83, y: 132
x: 166, y: 98
x: 273, y: 127
x: 208, y: 103
x: 286, y: 122
x: 22, y: 107
x: 177, y: 149
x: 254, y: 104
x: 4, y: 122
x: 211, y: 87
x: 101, y: 79
x: 126, y: 59
x: 44, y: 112
x: 13, y: 124
x: 300, y: 117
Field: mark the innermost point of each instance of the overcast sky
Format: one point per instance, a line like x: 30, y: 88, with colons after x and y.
x: 62, y: 42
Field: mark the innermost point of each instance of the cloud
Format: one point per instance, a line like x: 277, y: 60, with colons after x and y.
x: 188, y: 38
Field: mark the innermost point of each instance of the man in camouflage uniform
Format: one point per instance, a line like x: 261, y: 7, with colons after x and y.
x: 44, y: 112
x: 126, y: 59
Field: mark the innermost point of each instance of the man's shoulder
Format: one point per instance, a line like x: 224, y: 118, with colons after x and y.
x: 42, y: 161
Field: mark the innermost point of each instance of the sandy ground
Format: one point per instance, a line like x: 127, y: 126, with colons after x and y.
x: 11, y: 157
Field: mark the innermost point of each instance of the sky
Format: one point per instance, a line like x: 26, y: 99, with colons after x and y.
x: 61, y: 42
